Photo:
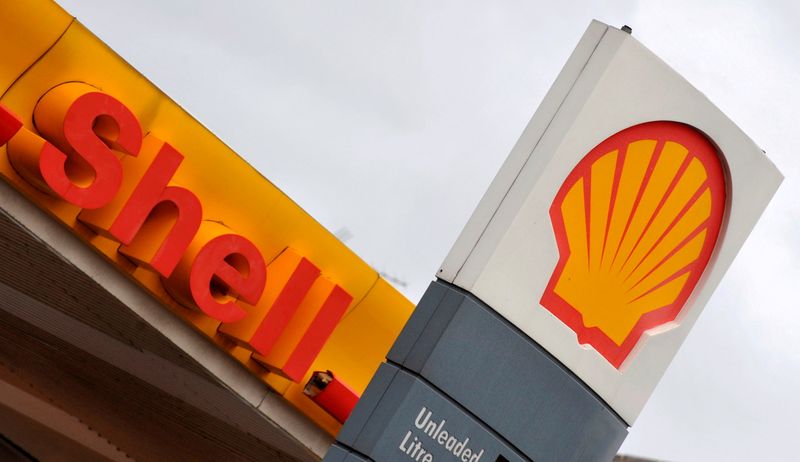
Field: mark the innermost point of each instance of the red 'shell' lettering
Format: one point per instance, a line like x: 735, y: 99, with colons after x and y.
x: 91, y: 154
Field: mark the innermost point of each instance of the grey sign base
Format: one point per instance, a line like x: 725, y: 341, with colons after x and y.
x: 401, y: 418
x: 479, y: 360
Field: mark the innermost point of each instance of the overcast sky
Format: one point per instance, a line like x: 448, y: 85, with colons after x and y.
x: 390, y: 118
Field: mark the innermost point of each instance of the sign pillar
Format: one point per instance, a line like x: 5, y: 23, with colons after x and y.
x: 577, y: 277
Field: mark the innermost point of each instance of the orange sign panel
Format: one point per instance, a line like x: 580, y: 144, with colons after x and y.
x: 636, y: 222
x: 90, y: 141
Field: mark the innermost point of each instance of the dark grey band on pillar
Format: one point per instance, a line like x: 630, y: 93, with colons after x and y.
x: 403, y: 418
x: 485, y: 364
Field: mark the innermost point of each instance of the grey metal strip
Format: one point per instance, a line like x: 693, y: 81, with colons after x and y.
x: 414, y: 421
x: 514, y: 386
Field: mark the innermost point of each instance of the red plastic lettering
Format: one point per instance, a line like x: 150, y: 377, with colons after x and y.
x: 317, y: 334
x: 151, y: 191
x: 285, y: 306
x: 91, y: 145
x: 227, y: 268
x: 9, y: 124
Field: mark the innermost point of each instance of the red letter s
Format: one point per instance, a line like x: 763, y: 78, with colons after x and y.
x: 84, y: 125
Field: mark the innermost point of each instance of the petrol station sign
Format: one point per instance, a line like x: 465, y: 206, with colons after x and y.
x: 580, y: 272
x: 90, y: 141
x: 550, y: 321
x: 614, y: 218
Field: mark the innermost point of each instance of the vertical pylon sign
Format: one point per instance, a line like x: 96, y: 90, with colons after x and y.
x: 578, y: 276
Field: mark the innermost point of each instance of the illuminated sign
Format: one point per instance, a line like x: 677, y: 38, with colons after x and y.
x: 635, y: 222
x: 614, y: 217
x: 90, y: 141
x: 204, y: 265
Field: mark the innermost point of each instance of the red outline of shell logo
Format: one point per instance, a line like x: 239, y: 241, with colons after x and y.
x: 636, y: 223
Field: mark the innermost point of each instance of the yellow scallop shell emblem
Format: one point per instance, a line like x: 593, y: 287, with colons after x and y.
x: 636, y: 222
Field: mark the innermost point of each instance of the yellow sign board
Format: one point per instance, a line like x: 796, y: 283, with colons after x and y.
x: 107, y: 154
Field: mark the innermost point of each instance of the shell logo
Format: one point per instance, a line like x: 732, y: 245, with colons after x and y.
x: 636, y: 222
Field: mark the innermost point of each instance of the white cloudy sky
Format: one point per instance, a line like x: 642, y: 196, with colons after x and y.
x: 390, y: 118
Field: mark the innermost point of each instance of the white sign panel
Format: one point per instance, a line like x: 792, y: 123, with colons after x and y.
x: 614, y: 217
